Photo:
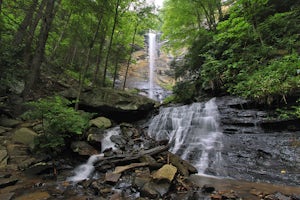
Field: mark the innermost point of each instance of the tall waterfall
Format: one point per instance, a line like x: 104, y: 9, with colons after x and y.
x: 152, y: 50
x: 193, y: 132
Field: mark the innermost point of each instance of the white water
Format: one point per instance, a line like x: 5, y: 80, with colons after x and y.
x: 152, y: 50
x: 84, y: 171
x: 193, y: 132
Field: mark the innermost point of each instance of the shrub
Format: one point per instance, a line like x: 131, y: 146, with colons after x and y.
x: 59, y: 122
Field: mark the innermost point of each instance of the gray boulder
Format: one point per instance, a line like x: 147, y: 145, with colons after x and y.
x: 118, y: 105
x: 25, y: 136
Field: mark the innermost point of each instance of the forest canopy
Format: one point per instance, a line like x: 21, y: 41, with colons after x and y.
x: 248, y: 48
x: 82, y: 40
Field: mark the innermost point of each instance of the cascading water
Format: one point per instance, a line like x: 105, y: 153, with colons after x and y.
x: 85, y: 170
x: 152, y: 50
x: 193, y: 132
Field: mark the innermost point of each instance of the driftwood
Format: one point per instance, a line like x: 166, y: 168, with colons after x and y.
x: 121, y: 169
x: 125, y: 158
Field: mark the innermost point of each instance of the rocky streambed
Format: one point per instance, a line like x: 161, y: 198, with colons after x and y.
x: 130, y: 165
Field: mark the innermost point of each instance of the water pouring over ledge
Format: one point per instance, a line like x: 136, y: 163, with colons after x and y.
x: 193, y: 132
x: 152, y: 51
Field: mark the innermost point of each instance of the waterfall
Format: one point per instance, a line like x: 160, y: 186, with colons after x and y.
x: 152, y: 51
x: 193, y: 132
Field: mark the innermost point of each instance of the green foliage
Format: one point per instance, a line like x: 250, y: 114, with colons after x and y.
x: 254, y: 53
x: 290, y: 113
x: 184, y: 92
x: 169, y: 99
x: 277, y: 78
x: 59, y: 122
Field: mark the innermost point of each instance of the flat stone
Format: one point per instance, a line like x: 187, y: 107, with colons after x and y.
x: 167, y: 172
x: 112, y: 177
x: 34, y: 196
x: 6, y: 196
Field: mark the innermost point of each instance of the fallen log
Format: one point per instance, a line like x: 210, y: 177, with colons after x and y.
x: 125, y: 158
x: 121, y: 169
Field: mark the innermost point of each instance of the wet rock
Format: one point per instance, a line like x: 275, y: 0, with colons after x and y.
x: 183, y: 166
x: 34, y: 196
x: 153, y: 164
x: 112, y: 177
x: 95, y: 137
x: 149, y: 191
x: 277, y: 196
x: 8, y: 122
x: 119, y: 140
x: 280, y: 124
x: 167, y: 172
x: 83, y: 148
x: 3, y: 158
x: 101, y: 122
x: 155, y: 189
x: 7, y: 182
x: 140, y: 177
x: 208, y: 189
x: 24, y: 136
x: 129, y: 131
x: 39, y: 168
x: 7, y: 196
x: 4, y: 129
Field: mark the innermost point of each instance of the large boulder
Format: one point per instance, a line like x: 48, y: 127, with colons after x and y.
x: 25, y: 136
x: 101, y: 122
x: 83, y: 148
x: 114, y: 104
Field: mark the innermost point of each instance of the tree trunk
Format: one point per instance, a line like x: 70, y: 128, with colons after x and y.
x: 61, y: 36
x: 40, y: 50
x: 131, y: 52
x: 0, y: 5
x: 110, y: 42
x: 21, y: 33
x: 116, y: 68
x: 87, y: 64
x: 99, y: 57
x: 32, y: 28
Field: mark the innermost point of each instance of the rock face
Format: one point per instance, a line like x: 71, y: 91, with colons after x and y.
x: 114, y: 104
x: 256, y: 146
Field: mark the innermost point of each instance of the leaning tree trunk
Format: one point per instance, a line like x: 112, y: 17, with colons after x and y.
x: 0, y: 5
x: 87, y: 64
x: 22, y: 30
x: 40, y: 50
x: 110, y: 42
x: 61, y: 36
